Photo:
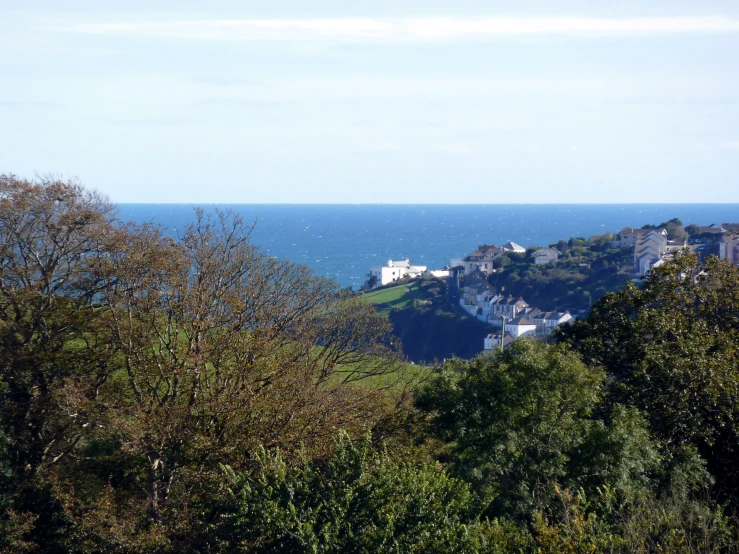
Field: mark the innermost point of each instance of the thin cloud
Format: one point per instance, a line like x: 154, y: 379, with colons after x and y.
x: 405, y: 30
x: 733, y: 145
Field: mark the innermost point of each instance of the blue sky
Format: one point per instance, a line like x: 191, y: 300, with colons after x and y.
x: 383, y: 101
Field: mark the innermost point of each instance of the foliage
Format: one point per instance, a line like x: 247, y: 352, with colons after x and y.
x: 512, y: 419
x: 674, y: 228
x: 134, y: 368
x: 673, y: 348
x: 361, y: 500
x: 134, y: 365
x: 583, y: 273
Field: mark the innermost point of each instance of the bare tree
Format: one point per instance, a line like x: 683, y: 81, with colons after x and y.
x: 52, y: 360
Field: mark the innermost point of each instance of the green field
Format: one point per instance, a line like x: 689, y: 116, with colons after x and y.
x: 395, y: 298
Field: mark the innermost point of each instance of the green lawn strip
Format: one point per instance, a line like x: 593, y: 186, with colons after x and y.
x: 394, y: 298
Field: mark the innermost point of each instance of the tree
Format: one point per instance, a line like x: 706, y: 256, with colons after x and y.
x: 53, y: 360
x: 672, y: 347
x: 511, y: 420
x: 134, y: 365
x: 361, y: 500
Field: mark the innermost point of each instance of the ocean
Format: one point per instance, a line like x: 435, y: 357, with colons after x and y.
x: 342, y: 241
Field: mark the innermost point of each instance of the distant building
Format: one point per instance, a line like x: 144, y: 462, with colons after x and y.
x: 520, y: 327
x: 649, y: 248
x: 395, y: 270
x: 481, y: 259
x: 728, y: 248
x: 713, y: 229
x: 546, y: 256
x: 509, y: 307
x: 439, y: 273
x: 513, y: 247
x: 492, y: 342
x: 630, y: 236
x: 548, y: 321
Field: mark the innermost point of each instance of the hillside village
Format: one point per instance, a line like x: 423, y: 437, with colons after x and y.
x: 564, y: 278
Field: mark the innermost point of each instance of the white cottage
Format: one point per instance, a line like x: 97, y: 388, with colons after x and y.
x: 395, y: 270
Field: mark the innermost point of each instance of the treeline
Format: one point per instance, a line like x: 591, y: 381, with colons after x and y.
x: 194, y: 395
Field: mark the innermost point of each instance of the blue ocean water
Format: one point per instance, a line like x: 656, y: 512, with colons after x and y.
x: 342, y: 241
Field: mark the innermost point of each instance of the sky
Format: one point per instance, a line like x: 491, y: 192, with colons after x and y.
x: 386, y: 101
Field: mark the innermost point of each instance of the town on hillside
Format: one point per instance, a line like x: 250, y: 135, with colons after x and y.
x: 560, y: 280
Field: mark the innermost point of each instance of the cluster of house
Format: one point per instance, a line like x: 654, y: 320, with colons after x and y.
x: 651, y: 247
x: 515, y: 316
x: 482, y: 259
x: 728, y: 246
x: 395, y: 270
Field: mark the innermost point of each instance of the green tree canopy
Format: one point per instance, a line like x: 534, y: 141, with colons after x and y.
x: 672, y: 347
x: 512, y: 418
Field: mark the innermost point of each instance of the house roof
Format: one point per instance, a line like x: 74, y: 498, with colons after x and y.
x: 507, y: 339
x: 513, y: 246
x: 489, y: 248
x: 627, y: 230
x: 399, y: 263
x: 713, y: 228
x: 521, y: 320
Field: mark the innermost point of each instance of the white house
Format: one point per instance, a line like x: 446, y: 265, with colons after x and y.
x: 629, y: 236
x: 513, y: 247
x: 520, y: 327
x: 395, y: 270
x: 548, y: 321
x: 546, y: 256
x: 481, y: 259
x: 649, y: 248
x: 729, y: 249
x: 492, y: 342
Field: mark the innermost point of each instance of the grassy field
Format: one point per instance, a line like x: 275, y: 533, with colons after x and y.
x: 393, y: 298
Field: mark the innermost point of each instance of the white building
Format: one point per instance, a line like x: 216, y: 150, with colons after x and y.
x: 729, y: 249
x: 549, y: 321
x: 509, y: 307
x: 513, y: 247
x: 520, y: 327
x: 629, y: 236
x: 546, y: 256
x: 649, y: 248
x: 492, y: 342
x: 395, y: 270
x: 481, y: 259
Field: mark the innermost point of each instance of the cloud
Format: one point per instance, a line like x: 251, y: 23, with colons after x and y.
x: 404, y: 30
x: 732, y: 145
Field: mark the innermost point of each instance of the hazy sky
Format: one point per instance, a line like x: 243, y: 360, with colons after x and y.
x: 382, y: 101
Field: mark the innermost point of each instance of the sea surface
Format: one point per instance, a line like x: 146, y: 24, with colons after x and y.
x: 342, y: 241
